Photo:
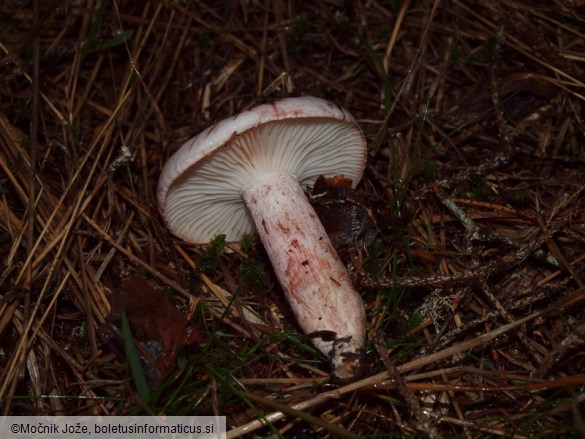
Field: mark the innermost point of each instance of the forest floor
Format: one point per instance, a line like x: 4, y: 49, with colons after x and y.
x: 469, y: 254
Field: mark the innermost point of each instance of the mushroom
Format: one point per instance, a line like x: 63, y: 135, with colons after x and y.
x: 246, y: 173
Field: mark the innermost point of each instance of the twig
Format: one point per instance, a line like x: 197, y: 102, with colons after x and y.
x: 366, y: 382
x: 409, y: 397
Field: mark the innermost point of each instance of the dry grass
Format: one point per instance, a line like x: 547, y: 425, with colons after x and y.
x: 474, y: 288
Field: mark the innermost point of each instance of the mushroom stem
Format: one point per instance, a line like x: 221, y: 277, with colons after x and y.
x: 314, y: 279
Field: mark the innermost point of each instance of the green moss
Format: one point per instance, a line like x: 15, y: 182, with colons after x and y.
x: 415, y: 319
x: 376, y: 261
x: 481, y: 192
x: 247, y: 242
x: 212, y: 254
x: 520, y: 196
x: 81, y: 333
x: 251, y: 273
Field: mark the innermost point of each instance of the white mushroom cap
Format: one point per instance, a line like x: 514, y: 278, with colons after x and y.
x: 199, y: 190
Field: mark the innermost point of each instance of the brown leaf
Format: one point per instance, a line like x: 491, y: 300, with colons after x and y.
x: 158, y: 328
x: 343, y: 213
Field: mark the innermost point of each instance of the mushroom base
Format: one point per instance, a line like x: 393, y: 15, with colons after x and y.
x: 316, y: 284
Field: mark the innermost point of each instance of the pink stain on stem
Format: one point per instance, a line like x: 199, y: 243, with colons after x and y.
x: 311, y: 273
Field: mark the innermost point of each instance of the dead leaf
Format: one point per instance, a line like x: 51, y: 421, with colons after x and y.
x: 158, y: 328
x: 343, y: 213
